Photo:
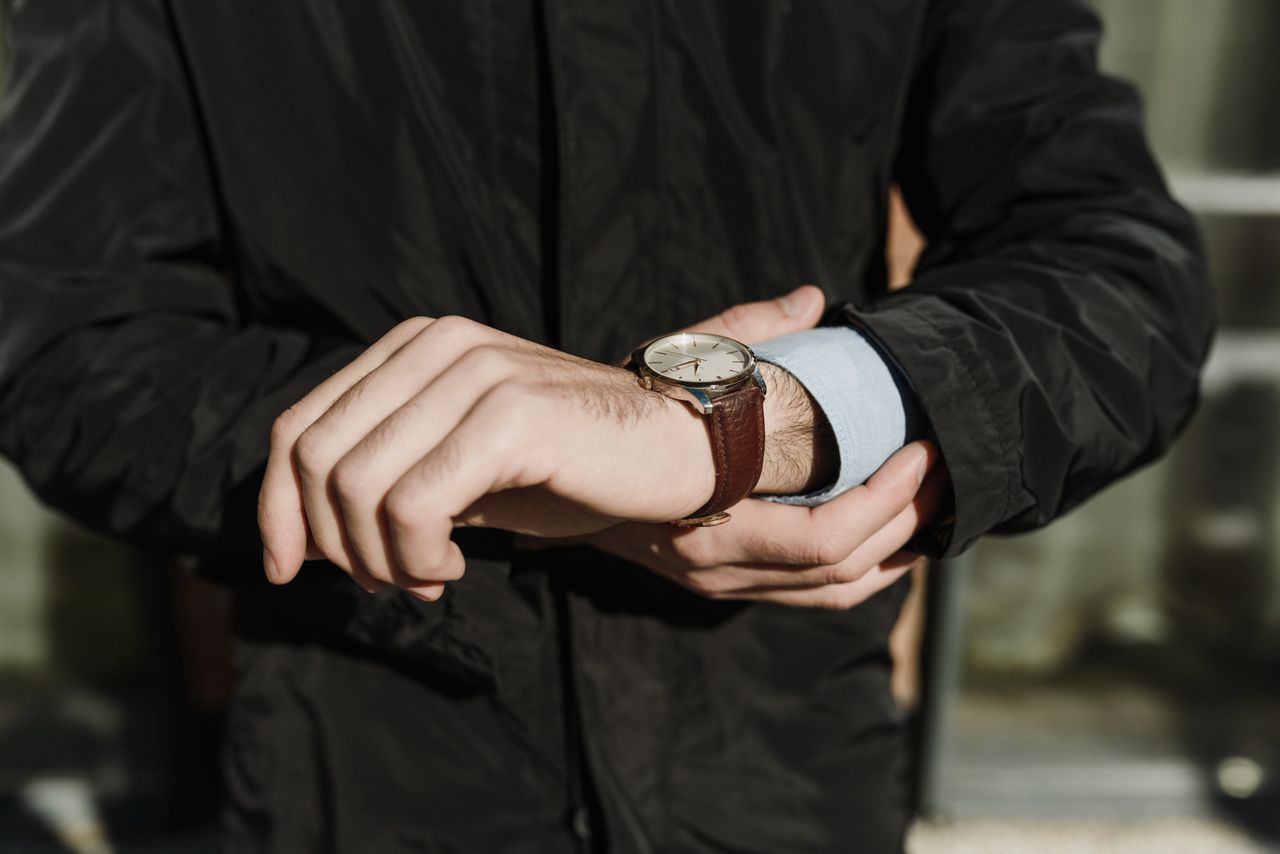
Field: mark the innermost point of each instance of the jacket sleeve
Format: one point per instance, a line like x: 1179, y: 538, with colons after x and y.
x: 1059, y: 317
x: 134, y: 394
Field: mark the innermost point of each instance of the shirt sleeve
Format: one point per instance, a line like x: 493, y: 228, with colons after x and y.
x: 868, y: 407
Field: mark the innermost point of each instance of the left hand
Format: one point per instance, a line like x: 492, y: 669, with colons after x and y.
x: 833, y: 556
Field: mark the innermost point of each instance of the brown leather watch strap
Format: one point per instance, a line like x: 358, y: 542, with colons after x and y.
x: 737, y: 446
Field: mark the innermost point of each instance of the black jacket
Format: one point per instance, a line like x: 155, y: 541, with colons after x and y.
x: 207, y: 207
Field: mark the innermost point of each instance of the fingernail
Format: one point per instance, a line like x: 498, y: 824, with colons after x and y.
x: 269, y: 564
x: 922, y: 467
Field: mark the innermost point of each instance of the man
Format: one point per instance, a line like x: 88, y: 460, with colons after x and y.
x: 426, y: 234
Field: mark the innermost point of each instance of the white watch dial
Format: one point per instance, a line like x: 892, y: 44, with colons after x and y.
x: 698, y: 358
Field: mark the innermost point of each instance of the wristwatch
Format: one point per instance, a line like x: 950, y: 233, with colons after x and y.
x: 719, y: 378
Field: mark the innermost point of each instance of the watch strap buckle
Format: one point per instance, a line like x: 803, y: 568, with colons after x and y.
x: 706, y: 521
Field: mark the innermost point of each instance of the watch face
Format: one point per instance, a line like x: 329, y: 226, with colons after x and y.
x: 699, y: 359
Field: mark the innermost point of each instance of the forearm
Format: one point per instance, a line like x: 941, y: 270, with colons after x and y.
x: 1056, y: 326
x: 153, y: 443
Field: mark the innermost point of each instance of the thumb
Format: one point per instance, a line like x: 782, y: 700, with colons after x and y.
x: 753, y: 322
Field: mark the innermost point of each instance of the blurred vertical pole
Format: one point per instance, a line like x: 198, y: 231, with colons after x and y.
x: 927, y: 640
x: 941, y: 666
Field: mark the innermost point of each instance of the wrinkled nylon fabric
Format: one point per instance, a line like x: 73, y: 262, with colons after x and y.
x: 206, y: 208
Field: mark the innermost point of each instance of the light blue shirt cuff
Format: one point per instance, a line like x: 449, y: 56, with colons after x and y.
x: 856, y: 392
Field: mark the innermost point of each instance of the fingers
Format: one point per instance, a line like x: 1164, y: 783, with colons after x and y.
x: 364, y: 405
x: 880, y: 545
x: 369, y: 470
x: 281, y: 517
x: 752, y: 322
x: 300, y: 505
x: 484, y: 454
x: 831, y: 586
x: 838, y: 597
x: 762, y: 532
x: 447, y: 344
x: 696, y: 558
x: 843, y: 525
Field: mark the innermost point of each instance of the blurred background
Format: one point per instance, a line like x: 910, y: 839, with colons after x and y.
x: 1109, y: 684
x: 1113, y: 682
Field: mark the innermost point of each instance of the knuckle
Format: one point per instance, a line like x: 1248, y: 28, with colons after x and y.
x: 694, y: 551
x: 487, y: 361
x: 827, y: 550
x: 399, y: 509
x: 411, y: 326
x: 309, y: 451
x: 508, y: 394
x: 287, y: 426
x: 349, y: 481
x: 455, y: 327
x: 508, y: 413
x: 837, y: 574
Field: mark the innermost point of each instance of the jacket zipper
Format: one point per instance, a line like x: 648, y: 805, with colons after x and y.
x: 583, y: 815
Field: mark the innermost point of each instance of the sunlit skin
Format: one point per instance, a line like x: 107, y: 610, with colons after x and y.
x: 445, y: 422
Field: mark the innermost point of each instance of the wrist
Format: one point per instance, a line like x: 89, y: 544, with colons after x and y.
x: 800, y: 452
x: 693, y: 471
